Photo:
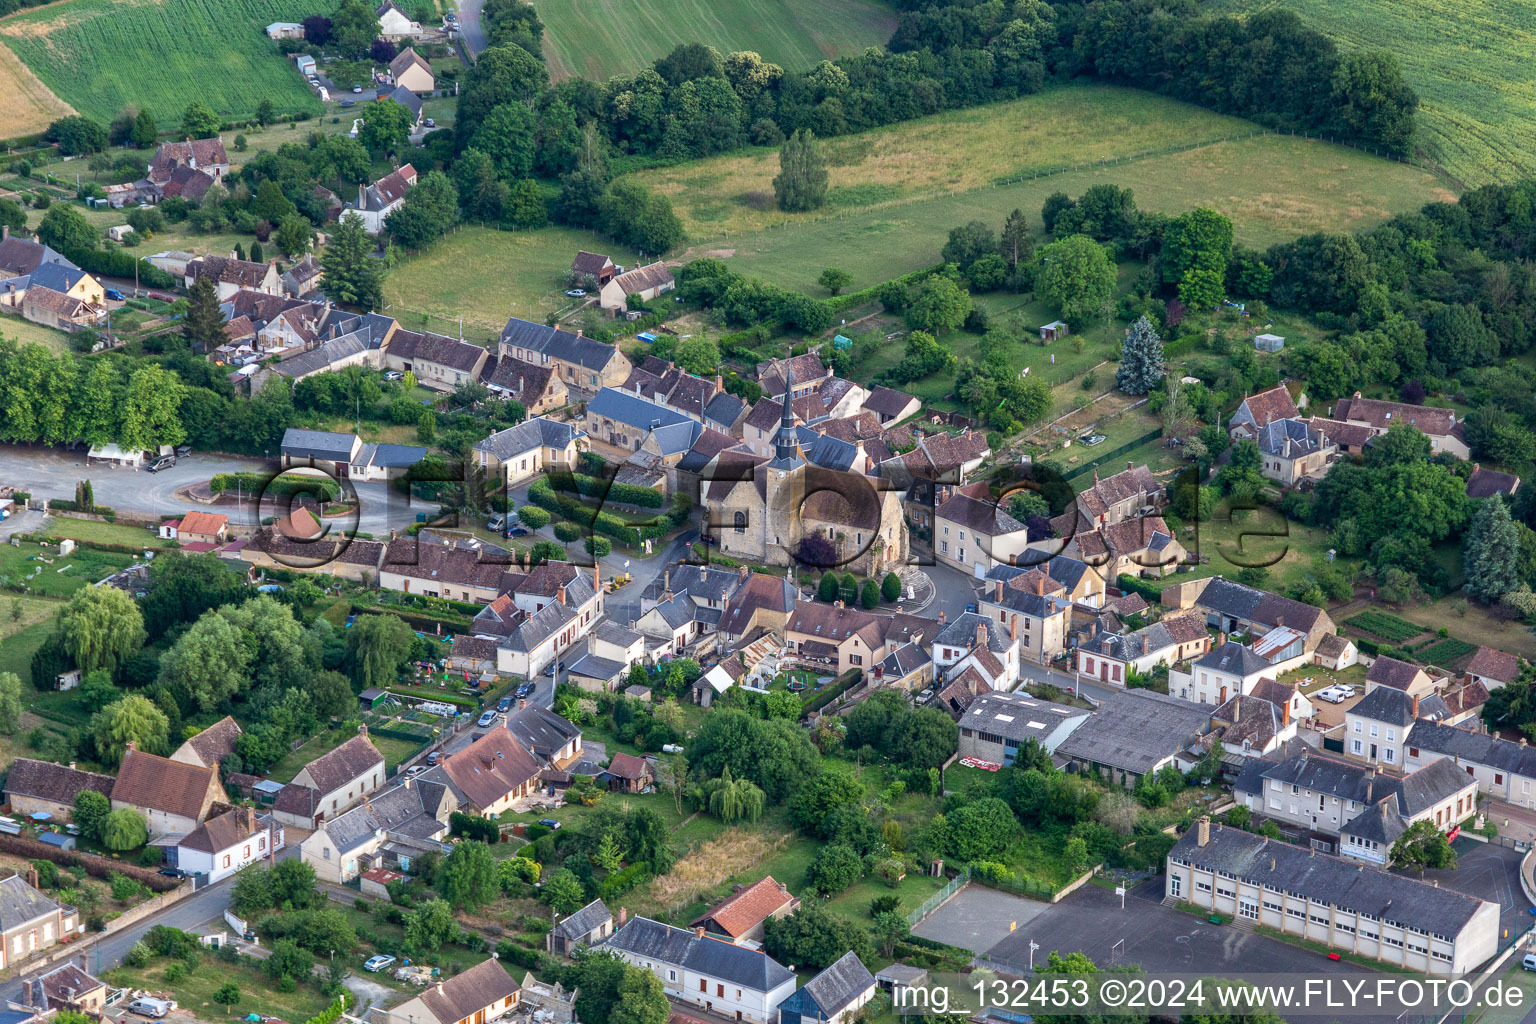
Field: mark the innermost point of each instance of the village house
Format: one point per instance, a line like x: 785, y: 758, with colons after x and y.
x: 339, y: 779
x: 230, y: 275
x: 33, y: 787
x: 31, y: 923
x: 1221, y: 673
x: 394, y: 23
x: 223, y: 845
x: 1439, y: 425
x: 740, y: 917
x: 587, y: 927
x: 554, y: 740
x: 205, y: 155
x: 1231, y: 607
x: 59, y: 276
x: 1293, y: 450
x: 410, y: 70
x: 377, y: 201
x: 996, y: 725
x: 1503, y: 769
x: 491, y: 775
x: 592, y: 270
x: 622, y: 420
x: 834, y: 638
x: 1376, y: 726
x: 1133, y: 492
x: 1492, y: 668
x: 800, y: 375
x: 1112, y: 657
x: 390, y: 829
x: 69, y: 986
x: 1143, y: 546
x: 481, y: 994
x: 1259, y: 410
x: 975, y: 641
x: 207, y: 748
x: 834, y: 996
x: 971, y: 533
x: 1399, y: 675
x: 532, y: 448
x: 173, y: 797
x: 206, y: 528
x: 582, y: 363
x: 439, y: 362
x: 890, y: 405
x: 1249, y: 725
x: 1332, y: 901
x: 627, y: 773
x: 538, y: 389
x: 715, y: 975
x: 59, y: 311
x: 647, y: 282
x: 1485, y: 482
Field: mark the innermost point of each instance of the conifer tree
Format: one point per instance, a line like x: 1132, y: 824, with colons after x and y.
x: 1141, y: 359
x: 1491, y: 552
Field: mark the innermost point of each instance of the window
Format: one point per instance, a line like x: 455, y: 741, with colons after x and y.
x: 855, y: 659
x: 1175, y: 885
x: 1248, y: 910
x: 1373, y: 730
x: 1356, y: 747
x: 1413, y: 751
x: 1357, y: 726
x: 671, y: 975
x: 1203, y: 886
x: 704, y: 986
x: 719, y: 990
x: 226, y: 860
x: 1391, y: 756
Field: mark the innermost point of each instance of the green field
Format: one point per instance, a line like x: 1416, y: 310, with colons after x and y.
x: 101, y: 55
x: 1469, y: 62
x: 487, y: 275
x: 599, y: 39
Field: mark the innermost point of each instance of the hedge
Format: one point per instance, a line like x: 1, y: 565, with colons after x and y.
x: 99, y: 867
x: 280, y: 486
x: 848, y: 300
x: 1130, y: 584
x: 621, y: 882
x: 116, y: 263
x: 841, y: 685
x: 542, y: 493
x: 474, y: 827
x: 68, y: 505
x: 425, y: 623
x: 597, y: 487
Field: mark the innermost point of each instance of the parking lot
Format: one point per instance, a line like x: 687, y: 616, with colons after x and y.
x: 1490, y: 873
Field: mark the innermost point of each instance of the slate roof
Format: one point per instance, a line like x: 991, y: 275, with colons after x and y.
x: 905, y: 659
x: 1233, y: 659
x: 701, y: 582
x: 962, y: 633
x: 1378, y: 823
x: 884, y: 401
x: 1017, y: 716
x: 557, y: 344
x: 724, y: 409
x: 1348, y: 885
x: 835, y: 988
x: 1485, y: 483
x: 589, y: 917
x: 979, y: 515
x: 58, y: 276
x: 465, y: 994
x: 406, y: 809
x: 1430, y: 785
x: 324, y: 356
x: 1291, y: 439
x: 609, y: 630
x: 57, y: 783
x: 1395, y: 707
x: 1235, y: 600
x: 652, y: 940
x: 706, y: 445
x: 542, y: 731
x: 1134, y: 729
x: 20, y: 904
x: 319, y: 444
x: 534, y: 629
x: 1477, y: 747
x: 528, y: 435
x: 1344, y: 780
x: 336, y: 768
x: 631, y: 410
x: 158, y: 783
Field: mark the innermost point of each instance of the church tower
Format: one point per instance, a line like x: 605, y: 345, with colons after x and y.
x: 786, y: 482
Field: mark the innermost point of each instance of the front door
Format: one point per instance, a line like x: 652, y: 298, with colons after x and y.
x: 1103, y: 672
x: 1373, y: 751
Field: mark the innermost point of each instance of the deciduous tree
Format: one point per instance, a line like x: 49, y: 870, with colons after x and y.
x: 134, y: 719
x: 101, y: 626
x: 801, y: 183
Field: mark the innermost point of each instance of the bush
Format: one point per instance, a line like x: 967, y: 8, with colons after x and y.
x: 568, y: 532
x: 536, y: 518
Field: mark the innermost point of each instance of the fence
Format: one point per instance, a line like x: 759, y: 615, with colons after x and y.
x: 932, y: 903
x: 1115, y: 453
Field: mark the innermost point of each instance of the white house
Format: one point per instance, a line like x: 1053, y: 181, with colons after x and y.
x: 221, y: 846
x: 833, y: 996
x: 340, y: 779
x: 713, y: 974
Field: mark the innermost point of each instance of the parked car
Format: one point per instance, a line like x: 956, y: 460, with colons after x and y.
x: 1332, y: 694
x: 1089, y: 440
x: 576, y: 293
x: 524, y: 690
x: 489, y: 718
x: 1528, y: 962
x: 163, y: 462
x: 173, y: 873
x: 374, y: 964
x: 357, y: 88
x: 504, y: 705
x: 151, y: 1008
x: 394, y: 375
x: 415, y: 770
x: 518, y: 531
x: 549, y: 823
x: 497, y: 522
x: 115, y: 295
x: 430, y: 123
x: 183, y: 450
x: 434, y: 757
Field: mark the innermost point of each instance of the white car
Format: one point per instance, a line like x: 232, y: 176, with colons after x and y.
x: 394, y: 375
x: 378, y: 963
x: 1331, y: 694
x: 576, y: 293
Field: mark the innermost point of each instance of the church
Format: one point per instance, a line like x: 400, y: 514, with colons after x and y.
x: 770, y: 511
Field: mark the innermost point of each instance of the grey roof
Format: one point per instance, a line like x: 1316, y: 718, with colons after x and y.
x: 962, y: 633
x: 724, y: 409
x: 702, y: 582
x: 326, y: 355
x: 591, y: 666
x: 1036, y: 606
x: 397, y: 455
x: 1233, y: 659
x: 631, y: 410
x: 1290, y: 439
x: 538, y: 627
x: 1017, y: 716
x: 677, y: 612
x: 907, y: 658
x: 1395, y: 899
x: 1342, y: 779
x: 399, y: 809
x: 61, y: 277
x: 676, y: 438
x: 610, y: 630
x: 582, y: 923
x: 831, y: 453
x: 557, y: 344
x: 1238, y: 601
x: 528, y: 435
x: 407, y: 99
x: 652, y: 940
x: 839, y: 985
x: 20, y: 903
x: 1395, y: 707
x: 1430, y: 785
x: 1134, y: 729
x: 1130, y: 646
x: 319, y: 444
x: 542, y: 731
x: 1378, y: 823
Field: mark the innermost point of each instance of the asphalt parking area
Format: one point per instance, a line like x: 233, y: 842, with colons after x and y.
x: 1490, y: 873
x: 977, y: 918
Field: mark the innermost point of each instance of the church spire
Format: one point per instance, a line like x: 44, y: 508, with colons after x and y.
x: 786, y: 443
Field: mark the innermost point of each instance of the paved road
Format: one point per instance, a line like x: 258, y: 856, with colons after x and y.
x: 469, y: 26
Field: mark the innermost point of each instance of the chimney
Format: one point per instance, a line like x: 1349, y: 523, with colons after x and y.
x: 1415, y: 707
x: 1370, y: 784
x: 999, y: 592
x: 1279, y: 621
x: 1312, y: 851
x: 981, y: 636
x: 560, y: 594
x: 1221, y: 638
x: 623, y: 916
x: 719, y: 383
x: 1271, y: 863
x: 578, y: 332
x: 1285, y: 713
x: 1357, y: 394
x: 1129, y: 464
x: 32, y: 876
x: 838, y: 604
x: 743, y: 572
x: 666, y: 582
x: 5, y: 232
x: 1203, y: 830
x: 131, y: 745
x: 83, y: 963
x: 597, y: 578
x: 941, y: 617
x: 1013, y: 629
x: 1237, y: 708
x: 250, y: 819
x: 698, y: 932
x: 1040, y: 584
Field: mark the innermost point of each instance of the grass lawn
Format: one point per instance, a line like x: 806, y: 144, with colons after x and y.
x: 1473, y: 624
x: 25, y: 331
x: 394, y: 751
x: 1274, y: 188
x: 488, y: 275
x: 16, y: 653
x: 195, y: 991
x: 106, y: 533
x: 614, y: 37
x: 1468, y: 61
x: 57, y: 576
x: 102, y: 55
